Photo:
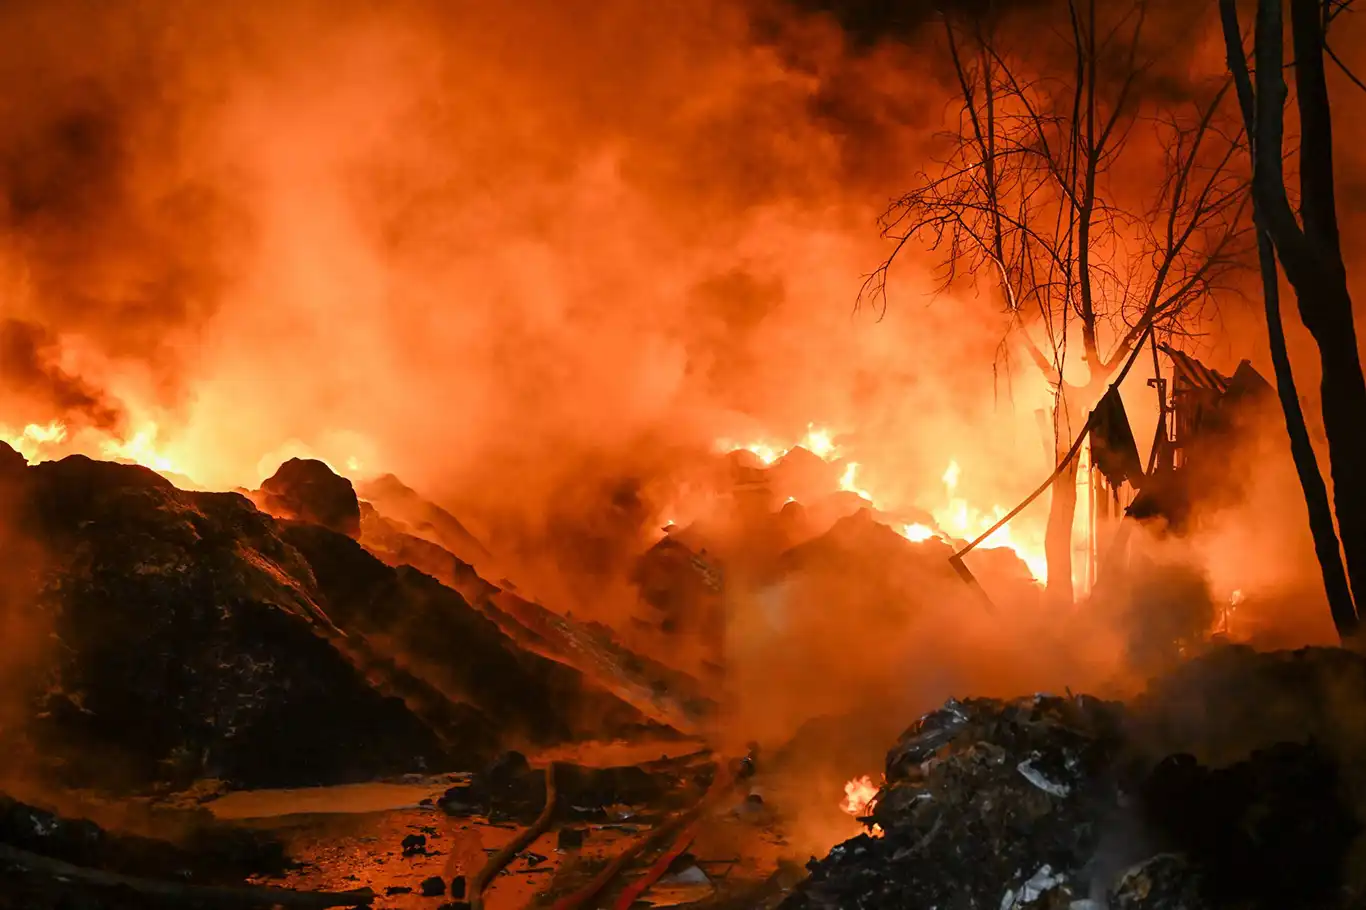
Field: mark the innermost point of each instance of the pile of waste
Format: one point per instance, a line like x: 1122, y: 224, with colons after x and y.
x: 1046, y: 803
x: 295, y: 656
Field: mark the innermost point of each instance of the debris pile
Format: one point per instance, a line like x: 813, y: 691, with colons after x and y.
x: 295, y: 656
x: 986, y: 803
x: 1047, y: 803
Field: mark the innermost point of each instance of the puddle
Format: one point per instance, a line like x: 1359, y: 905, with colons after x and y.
x: 346, y: 799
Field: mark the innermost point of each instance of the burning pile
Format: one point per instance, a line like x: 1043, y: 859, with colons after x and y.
x: 954, y: 518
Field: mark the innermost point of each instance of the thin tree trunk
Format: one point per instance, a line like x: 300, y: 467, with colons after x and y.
x: 1062, y: 501
x: 1324, y: 300
x: 1302, y: 451
x: 1062, y: 511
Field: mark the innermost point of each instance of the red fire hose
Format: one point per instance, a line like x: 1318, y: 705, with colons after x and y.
x: 725, y: 781
x: 656, y: 872
x: 504, y: 856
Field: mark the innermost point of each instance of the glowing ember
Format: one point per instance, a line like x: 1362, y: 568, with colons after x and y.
x: 917, y: 533
x: 30, y: 442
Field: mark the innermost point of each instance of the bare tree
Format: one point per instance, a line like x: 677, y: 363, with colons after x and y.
x: 1100, y: 203
x: 1310, y: 252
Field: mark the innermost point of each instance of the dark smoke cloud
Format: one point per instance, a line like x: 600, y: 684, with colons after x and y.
x: 116, y: 230
x: 28, y: 367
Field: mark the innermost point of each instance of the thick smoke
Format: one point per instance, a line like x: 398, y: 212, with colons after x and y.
x: 534, y: 258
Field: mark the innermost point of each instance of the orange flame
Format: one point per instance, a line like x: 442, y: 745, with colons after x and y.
x: 818, y: 441
x: 956, y: 518
x: 859, y: 794
x: 141, y: 449
x: 31, y: 441
x: 965, y: 522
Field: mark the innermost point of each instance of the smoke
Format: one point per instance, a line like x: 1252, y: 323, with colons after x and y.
x: 534, y: 258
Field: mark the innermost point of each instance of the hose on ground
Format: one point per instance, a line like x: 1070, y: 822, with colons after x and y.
x: 724, y: 782
x: 496, y: 862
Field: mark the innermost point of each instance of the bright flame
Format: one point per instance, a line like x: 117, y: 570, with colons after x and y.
x: 963, y: 521
x: 859, y: 794
x: 849, y: 481
x: 956, y: 518
x: 818, y: 441
x: 951, y: 476
x: 141, y: 449
x: 30, y: 441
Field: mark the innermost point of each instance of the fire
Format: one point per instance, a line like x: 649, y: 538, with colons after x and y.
x: 955, y: 518
x: 849, y: 481
x: 141, y: 449
x: 859, y: 794
x: 963, y: 521
x: 818, y: 441
x: 31, y: 441
x: 917, y: 533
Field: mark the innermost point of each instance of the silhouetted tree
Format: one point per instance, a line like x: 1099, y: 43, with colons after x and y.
x: 1100, y: 203
x: 1310, y: 253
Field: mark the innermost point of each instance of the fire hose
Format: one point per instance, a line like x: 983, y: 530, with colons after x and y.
x: 657, y: 871
x: 499, y: 860
x: 685, y: 822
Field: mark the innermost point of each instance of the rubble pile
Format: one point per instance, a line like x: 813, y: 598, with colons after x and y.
x: 1051, y: 803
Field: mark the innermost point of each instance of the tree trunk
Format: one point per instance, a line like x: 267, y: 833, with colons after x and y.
x: 1302, y: 451
x: 1344, y: 421
x: 1062, y: 503
x: 1062, y: 510
x: 1312, y: 260
x: 1324, y: 300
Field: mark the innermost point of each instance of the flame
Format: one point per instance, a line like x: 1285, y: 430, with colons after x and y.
x: 849, y: 482
x: 141, y: 449
x: 31, y: 441
x: 956, y: 518
x: 858, y: 795
x: 961, y: 520
x: 818, y: 441
x: 917, y: 533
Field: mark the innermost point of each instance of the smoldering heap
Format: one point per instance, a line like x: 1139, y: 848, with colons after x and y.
x: 1071, y: 802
